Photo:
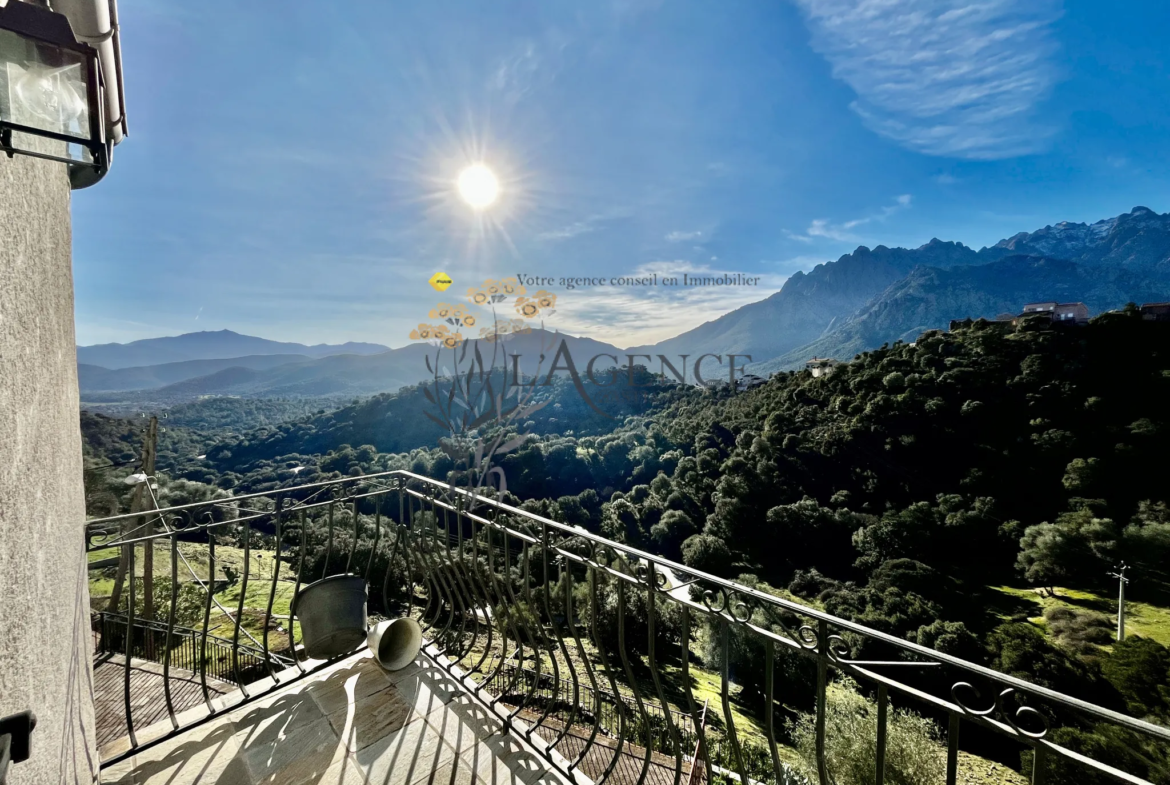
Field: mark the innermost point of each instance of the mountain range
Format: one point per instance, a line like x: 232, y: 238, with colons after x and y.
x: 837, y: 309
x: 206, y: 345
x: 336, y: 375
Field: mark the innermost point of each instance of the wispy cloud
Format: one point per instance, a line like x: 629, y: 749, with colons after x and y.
x: 682, y: 237
x: 590, y: 223
x: 531, y: 63
x: 959, y: 78
x: 569, y: 231
x: 823, y: 228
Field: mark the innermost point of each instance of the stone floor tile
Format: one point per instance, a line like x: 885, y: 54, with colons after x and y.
x: 373, y: 717
x: 301, y: 757
x: 513, y: 761
x: 410, y: 670
x: 463, y: 722
x: 120, y: 772
x: 189, y: 759
x: 405, y: 756
x: 343, y: 772
x: 503, y: 760
x: 427, y: 688
x: 274, y: 718
x: 457, y: 772
x: 345, y: 686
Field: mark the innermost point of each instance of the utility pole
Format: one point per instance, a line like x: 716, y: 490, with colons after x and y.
x: 144, y: 499
x: 1121, y: 581
x: 137, y: 504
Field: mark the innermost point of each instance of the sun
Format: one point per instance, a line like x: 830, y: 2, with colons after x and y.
x: 478, y: 186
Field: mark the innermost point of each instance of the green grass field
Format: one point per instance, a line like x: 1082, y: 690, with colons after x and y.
x: 1142, y: 618
x: 196, y: 555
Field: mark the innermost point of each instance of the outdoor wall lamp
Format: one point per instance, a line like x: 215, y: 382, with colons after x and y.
x: 51, y: 93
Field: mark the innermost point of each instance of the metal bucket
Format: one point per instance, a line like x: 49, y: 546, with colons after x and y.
x: 395, y: 643
x: 332, y: 613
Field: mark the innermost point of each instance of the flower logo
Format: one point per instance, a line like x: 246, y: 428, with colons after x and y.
x: 510, y: 286
x: 527, y: 308
x: 494, y: 291
x: 425, y: 332
x: 545, y: 300
x: 455, y: 316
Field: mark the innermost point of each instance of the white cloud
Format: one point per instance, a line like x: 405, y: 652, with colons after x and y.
x: 530, y: 64
x: 823, y: 228
x: 959, y: 78
x: 629, y: 316
x: 680, y: 237
x: 516, y: 72
x: 566, y: 232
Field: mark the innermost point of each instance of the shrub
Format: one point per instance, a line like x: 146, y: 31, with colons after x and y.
x: 1079, y: 630
x: 913, y: 753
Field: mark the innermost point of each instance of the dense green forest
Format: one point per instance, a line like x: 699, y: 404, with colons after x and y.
x: 899, y: 491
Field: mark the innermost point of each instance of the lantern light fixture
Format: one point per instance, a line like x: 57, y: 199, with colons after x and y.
x: 53, y: 92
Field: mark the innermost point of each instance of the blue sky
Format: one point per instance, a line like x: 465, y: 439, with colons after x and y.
x: 290, y: 166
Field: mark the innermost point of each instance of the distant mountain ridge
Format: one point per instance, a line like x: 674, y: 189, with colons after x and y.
x: 92, y: 378
x: 810, y: 303
x: 355, y: 374
x: 833, y: 309
x: 929, y: 298
x: 1137, y: 240
x: 217, y: 345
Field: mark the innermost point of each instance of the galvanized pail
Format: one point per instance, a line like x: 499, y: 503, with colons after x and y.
x: 332, y: 613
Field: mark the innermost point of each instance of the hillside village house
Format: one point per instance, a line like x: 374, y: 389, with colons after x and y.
x: 1156, y: 312
x: 821, y: 366
x: 1075, y: 313
x: 1061, y: 313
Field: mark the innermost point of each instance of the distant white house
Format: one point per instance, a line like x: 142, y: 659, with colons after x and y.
x: 821, y: 366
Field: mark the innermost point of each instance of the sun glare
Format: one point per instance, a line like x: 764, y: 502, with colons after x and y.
x: 478, y: 186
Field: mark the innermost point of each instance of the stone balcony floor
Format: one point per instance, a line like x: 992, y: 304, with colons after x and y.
x: 350, y: 724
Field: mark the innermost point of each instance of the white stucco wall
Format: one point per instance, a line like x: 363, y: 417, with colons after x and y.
x: 45, y: 644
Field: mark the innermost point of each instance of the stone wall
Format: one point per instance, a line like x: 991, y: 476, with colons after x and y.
x: 45, y: 644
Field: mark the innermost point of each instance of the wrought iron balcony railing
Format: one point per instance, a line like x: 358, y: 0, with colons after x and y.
x: 587, y: 643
